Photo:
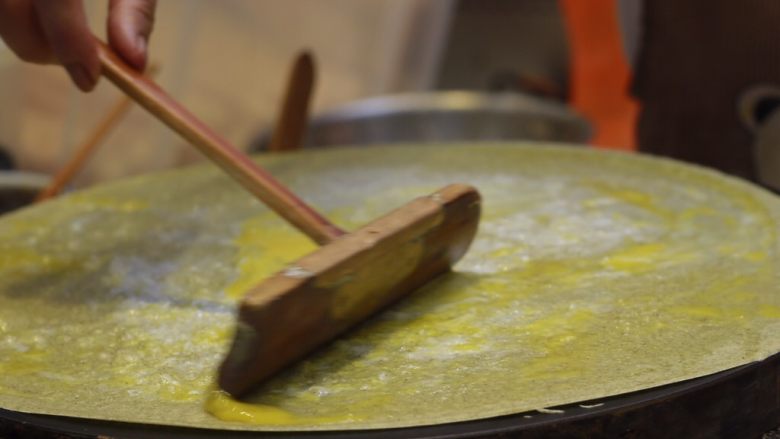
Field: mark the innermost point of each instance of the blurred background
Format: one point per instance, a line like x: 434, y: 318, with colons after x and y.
x: 556, y: 70
x: 226, y: 61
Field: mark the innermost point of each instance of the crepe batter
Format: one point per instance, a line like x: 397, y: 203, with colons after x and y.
x: 593, y: 274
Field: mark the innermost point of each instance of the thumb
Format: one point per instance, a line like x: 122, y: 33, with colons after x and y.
x: 130, y: 23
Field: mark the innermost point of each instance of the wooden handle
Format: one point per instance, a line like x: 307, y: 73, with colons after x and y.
x: 291, y: 124
x: 277, y: 197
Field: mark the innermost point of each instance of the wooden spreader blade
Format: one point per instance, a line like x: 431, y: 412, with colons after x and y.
x: 346, y: 281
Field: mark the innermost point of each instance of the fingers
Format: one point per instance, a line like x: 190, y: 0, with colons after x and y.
x: 22, y: 32
x: 56, y: 31
x: 130, y: 23
x: 65, y: 26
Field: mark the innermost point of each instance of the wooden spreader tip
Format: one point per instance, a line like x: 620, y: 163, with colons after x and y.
x: 344, y: 282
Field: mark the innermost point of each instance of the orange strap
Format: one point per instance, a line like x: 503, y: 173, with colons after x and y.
x: 600, y: 75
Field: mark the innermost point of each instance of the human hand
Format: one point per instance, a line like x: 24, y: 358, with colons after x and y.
x: 56, y: 32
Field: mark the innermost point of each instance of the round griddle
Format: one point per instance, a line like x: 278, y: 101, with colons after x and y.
x: 739, y: 402
x: 743, y: 402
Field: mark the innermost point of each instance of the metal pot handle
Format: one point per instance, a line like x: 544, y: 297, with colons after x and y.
x: 756, y: 104
x: 758, y: 110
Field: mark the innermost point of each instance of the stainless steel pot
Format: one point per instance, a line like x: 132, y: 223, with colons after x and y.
x: 444, y: 117
x: 19, y: 188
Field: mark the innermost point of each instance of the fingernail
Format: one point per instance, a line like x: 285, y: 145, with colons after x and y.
x: 81, y: 76
x: 140, y: 45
